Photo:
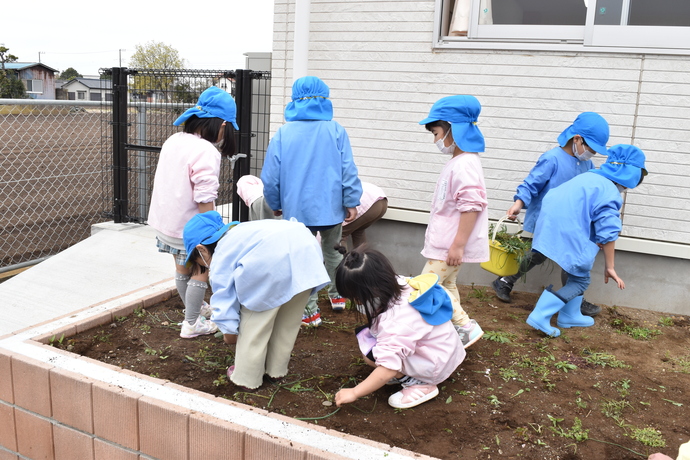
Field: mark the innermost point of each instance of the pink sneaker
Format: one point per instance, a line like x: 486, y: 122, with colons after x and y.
x: 413, y: 395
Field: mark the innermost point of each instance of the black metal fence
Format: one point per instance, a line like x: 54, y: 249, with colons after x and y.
x: 66, y: 165
x: 145, y: 104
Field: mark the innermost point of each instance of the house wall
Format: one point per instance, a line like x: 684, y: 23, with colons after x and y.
x: 40, y: 73
x: 378, y: 60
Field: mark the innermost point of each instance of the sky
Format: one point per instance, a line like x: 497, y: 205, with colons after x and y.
x: 88, y: 35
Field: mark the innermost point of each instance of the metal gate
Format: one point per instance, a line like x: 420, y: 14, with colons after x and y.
x: 145, y: 104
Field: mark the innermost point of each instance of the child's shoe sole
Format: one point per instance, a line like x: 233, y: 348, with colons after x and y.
x: 412, y: 396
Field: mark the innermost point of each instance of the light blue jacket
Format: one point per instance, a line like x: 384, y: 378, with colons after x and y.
x: 578, y: 215
x: 553, y: 168
x: 261, y: 265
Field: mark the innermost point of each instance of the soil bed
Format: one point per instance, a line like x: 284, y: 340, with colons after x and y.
x: 617, y: 390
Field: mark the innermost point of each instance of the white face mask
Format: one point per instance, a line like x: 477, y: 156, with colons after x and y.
x: 584, y: 156
x: 442, y: 147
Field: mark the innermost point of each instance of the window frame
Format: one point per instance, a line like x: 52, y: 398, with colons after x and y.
x: 587, y: 38
x: 32, y: 82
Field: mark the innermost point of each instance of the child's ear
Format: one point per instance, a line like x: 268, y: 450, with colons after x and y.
x: 203, y: 250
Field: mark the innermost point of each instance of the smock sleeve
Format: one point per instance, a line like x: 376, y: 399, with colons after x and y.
x: 392, y: 348
x: 606, y: 221
x: 469, y: 191
x: 224, y: 301
x: 203, y: 173
x: 352, y: 186
x: 536, y: 180
x: 270, y: 173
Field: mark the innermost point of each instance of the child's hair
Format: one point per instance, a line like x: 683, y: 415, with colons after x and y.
x: 197, y: 268
x: 366, y: 277
x: 208, y: 128
x: 444, y: 125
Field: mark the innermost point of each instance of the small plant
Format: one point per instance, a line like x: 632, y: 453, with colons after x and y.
x: 624, y: 387
x: 102, y: 336
x: 479, y: 293
x: 565, y: 366
x: 602, y: 359
x: 220, y: 381
x: 53, y: 340
x: 494, y: 401
x: 576, y: 432
x: 499, y: 336
x: 580, y: 403
x: 666, y: 321
x: 614, y: 409
x: 636, y: 332
x: 139, y: 312
x: 508, y: 374
x: 648, y: 436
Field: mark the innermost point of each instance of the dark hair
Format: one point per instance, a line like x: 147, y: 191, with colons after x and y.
x: 197, y: 268
x: 208, y: 128
x: 642, y: 174
x: 444, y: 125
x: 366, y: 277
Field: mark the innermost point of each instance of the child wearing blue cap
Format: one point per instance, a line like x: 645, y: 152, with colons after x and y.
x: 578, y: 143
x: 262, y: 274
x: 578, y: 219
x: 409, y: 338
x: 186, y: 183
x: 309, y: 173
x: 458, y: 220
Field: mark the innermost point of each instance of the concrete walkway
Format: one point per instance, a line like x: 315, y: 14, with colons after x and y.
x: 117, y: 259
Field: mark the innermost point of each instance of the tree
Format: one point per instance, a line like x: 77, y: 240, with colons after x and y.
x: 159, y: 56
x: 10, y: 86
x: 70, y: 74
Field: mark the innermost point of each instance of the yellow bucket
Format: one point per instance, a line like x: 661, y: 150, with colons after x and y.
x: 500, y: 262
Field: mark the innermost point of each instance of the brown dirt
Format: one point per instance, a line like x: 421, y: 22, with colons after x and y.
x: 516, y: 395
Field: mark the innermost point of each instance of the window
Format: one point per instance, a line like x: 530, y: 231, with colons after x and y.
x: 34, y: 86
x: 81, y: 95
x: 662, y: 25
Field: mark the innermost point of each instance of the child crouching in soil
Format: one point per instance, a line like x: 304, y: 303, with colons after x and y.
x: 262, y: 274
x: 409, y: 338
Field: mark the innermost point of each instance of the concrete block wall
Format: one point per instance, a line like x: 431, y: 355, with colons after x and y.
x: 57, y: 405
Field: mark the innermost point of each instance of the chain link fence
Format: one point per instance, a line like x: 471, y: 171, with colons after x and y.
x: 66, y: 165
x: 50, y: 176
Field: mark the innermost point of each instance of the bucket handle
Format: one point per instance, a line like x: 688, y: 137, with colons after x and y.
x: 498, y: 225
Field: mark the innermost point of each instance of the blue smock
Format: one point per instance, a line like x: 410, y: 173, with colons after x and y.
x: 261, y: 265
x: 578, y: 215
x: 309, y: 172
x: 553, y: 168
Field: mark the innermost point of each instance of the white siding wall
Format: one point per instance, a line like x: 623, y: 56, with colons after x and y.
x: 377, y: 58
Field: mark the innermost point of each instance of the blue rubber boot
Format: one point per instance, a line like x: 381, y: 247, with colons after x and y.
x: 548, y: 305
x: 570, y: 315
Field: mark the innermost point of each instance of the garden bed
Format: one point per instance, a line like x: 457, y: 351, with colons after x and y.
x: 617, y: 390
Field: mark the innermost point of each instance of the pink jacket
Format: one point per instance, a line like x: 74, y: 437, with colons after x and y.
x: 408, y: 344
x: 460, y: 188
x: 187, y: 174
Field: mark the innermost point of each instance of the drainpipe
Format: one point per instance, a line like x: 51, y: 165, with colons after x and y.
x: 300, y: 60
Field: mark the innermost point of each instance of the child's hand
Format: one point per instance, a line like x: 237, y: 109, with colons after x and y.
x: 611, y: 273
x: 455, y: 256
x: 278, y: 213
x: 351, y: 214
x: 345, y: 396
x: 514, y: 210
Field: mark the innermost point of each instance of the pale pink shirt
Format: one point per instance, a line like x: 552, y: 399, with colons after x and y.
x: 186, y: 175
x: 460, y: 188
x: 370, y: 194
x: 408, y: 344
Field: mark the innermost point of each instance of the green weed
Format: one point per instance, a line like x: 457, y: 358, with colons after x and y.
x: 576, y: 432
x: 636, y: 332
x: 666, y: 321
x: 648, y: 436
x: 479, y: 293
x: 565, y: 366
x: 602, y: 359
x: 499, y: 336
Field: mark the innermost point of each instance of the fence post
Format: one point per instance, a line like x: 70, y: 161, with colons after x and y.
x: 243, y: 99
x: 120, y: 198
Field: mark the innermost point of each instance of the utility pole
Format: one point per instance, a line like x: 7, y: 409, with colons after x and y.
x: 39, y: 55
x: 121, y: 50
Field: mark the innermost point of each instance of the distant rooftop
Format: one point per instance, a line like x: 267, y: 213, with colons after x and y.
x: 25, y: 65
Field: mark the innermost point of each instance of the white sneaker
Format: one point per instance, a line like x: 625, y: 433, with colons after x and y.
x: 206, y: 310
x: 201, y: 327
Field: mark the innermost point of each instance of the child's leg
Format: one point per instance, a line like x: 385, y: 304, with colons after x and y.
x: 182, y: 276
x: 194, y: 299
x: 252, y: 346
x: 575, y: 286
x: 447, y: 277
x: 282, y: 338
x: 331, y: 257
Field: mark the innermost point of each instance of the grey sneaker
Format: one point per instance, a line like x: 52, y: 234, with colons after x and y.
x: 469, y: 337
x: 502, y: 289
x: 589, y: 309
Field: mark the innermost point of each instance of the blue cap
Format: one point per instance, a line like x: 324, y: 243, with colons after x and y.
x: 461, y: 112
x: 309, y: 100
x: 204, y: 228
x: 593, y: 129
x: 624, y: 165
x: 213, y: 103
x: 432, y: 302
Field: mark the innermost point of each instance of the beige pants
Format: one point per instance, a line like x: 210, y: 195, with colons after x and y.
x: 265, y: 341
x: 447, y: 277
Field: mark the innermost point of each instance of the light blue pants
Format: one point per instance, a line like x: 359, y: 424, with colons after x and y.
x: 575, y: 286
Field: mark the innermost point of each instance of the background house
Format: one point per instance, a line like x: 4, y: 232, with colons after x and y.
x: 88, y: 89
x: 534, y: 66
x: 38, y: 79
